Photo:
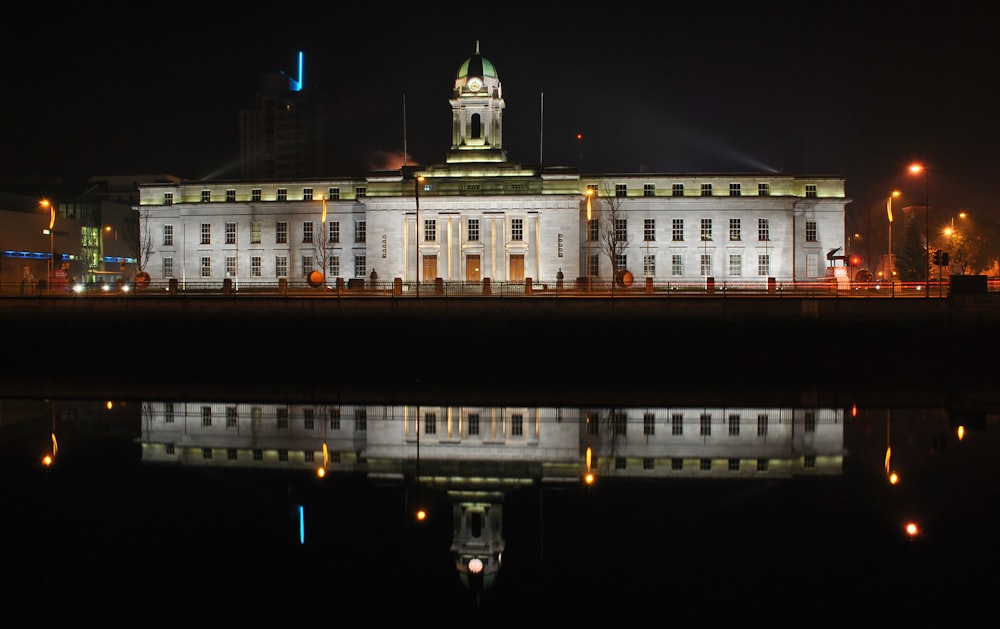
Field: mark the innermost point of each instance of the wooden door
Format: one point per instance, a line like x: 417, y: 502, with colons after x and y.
x: 472, y: 273
x: 516, y: 268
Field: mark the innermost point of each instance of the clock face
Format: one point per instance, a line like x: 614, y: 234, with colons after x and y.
x: 475, y: 85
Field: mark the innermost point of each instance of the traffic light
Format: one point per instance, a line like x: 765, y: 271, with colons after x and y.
x: 937, y: 258
x: 945, y: 258
x: 855, y: 260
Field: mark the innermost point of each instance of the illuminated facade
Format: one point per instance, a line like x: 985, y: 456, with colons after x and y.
x: 477, y: 455
x: 479, y: 216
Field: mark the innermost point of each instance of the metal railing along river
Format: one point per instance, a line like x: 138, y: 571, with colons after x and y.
x: 398, y: 289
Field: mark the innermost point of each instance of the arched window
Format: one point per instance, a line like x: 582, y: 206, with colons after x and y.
x: 477, y: 127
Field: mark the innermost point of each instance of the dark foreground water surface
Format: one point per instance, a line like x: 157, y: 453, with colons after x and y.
x: 768, y: 512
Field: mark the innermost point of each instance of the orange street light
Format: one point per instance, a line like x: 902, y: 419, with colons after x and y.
x: 918, y: 169
x: 51, y: 207
x: 107, y: 230
x: 895, y: 193
x: 417, y: 182
x: 590, y: 194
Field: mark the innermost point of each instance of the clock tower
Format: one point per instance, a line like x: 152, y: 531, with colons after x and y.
x: 477, y: 113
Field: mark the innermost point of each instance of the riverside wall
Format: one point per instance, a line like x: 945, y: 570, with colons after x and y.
x: 487, y: 348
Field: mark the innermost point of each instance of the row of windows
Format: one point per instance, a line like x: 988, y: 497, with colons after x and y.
x: 360, y: 192
x: 621, y: 463
x: 232, y: 454
x: 705, y: 465
x: 735, y: 264
x: 281, y: 194
x: 310, y: 420
x: 280, y: 233
x: 279, y: 270
x: 677, y: 190
x: 308, y: 264
x: 706, y: 231
x: 333, y: 232
x: 473, y: 424
x: 619, y: 420
x: 281, y: 416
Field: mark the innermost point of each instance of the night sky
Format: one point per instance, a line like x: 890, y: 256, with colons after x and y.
x: 858, y: 89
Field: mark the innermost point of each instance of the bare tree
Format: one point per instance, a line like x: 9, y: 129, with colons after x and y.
x: 607, y: 429
x: 140, y: 239
x: 322, y: 250
x: 321, y: 242
x: 612, y: 231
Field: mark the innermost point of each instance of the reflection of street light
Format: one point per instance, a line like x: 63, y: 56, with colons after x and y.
x: 892, y: 476
x: 50, y: 459
x: 45, y: 203
x: 920, y: 169
x: 895, y: 193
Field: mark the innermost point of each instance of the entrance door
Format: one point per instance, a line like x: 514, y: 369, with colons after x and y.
x: 430, y: 268
x: 472, y: 268
x: 517, y: 268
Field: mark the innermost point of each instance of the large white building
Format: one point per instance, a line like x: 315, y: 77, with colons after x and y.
x: 479, y: 216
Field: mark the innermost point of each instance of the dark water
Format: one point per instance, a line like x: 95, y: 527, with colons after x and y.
x: 133, y: 524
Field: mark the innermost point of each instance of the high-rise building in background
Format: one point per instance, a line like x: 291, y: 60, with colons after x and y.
x: 282, y: 135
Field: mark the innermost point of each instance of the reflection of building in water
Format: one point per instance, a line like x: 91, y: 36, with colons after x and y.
x: 544, y: 444
x: 477, y: 454
x: 722, y: 442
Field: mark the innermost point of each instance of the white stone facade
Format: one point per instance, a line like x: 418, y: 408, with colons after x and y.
x: 483, y: 217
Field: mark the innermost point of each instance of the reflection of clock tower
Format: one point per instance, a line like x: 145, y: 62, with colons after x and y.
x: 477, y: 113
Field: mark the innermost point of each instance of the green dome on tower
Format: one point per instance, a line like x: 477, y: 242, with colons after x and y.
x: 477, y: 65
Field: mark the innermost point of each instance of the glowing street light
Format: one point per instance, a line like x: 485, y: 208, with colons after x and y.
x: 895, y: 193
x: 950, y: 232
x: 49, y: 205
x: 417, y: 182
x: 920, y: 169
x: 325, y: 236
x: 107, y: 229
x: 590, y: 194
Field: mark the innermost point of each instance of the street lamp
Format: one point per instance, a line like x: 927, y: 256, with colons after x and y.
x: 45, y: 203
x: 325, y: 235
x: 950, y: 233
x: 950, y: 230
x: 590, y: 194
x: 920, y: 169
x: 895, y: 193
x: 417, y: 181
x: 853, y: 259
x: 107, y: 229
